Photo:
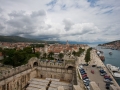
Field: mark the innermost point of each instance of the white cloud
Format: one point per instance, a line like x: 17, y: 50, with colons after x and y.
x: 76, y: 20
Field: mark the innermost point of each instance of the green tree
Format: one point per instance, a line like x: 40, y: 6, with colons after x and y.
x: 74, y: 53
x: 44, y: 55
x: 37, y: 54
x: 28, y: 49
x: 51, y: 54
x: 87, y: 56
x: 61, y: 55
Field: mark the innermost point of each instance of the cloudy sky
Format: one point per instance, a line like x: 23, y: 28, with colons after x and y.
x: 73, y: 20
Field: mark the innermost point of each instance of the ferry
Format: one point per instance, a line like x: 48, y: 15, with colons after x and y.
x: 115, y: 71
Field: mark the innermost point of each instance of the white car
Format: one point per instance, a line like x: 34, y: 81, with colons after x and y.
x: 87, y: 88
x: 108, y: 81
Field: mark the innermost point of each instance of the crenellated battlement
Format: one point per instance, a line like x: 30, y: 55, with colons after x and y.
x: 30, y: 65
x: 14, y: 71
x: 52, y: 64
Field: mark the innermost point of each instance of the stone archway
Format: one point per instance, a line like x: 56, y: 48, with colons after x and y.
x: 35, y: 64
x: 70, y: 67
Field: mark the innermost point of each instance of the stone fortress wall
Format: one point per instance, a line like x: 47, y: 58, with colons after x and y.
x: 17, y: 78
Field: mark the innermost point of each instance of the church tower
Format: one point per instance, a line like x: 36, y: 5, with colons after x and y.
x: 67, y: 43
x: 46, y: 48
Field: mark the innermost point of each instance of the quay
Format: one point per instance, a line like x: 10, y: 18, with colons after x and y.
x: 96, y: 77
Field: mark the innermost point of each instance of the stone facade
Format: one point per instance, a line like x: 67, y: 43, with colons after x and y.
x: 17, y: 78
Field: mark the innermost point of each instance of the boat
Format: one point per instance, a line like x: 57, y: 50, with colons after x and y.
x: 110, y: 53
x: 115, y: 71
x: 100, y: 54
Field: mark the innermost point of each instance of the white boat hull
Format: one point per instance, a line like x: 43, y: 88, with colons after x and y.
x: 116, y: 74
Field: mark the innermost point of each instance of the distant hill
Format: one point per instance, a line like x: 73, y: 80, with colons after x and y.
x: 16, y: 39
x: 73, y: 42
x: 112, y: 42
x: 22, y: 39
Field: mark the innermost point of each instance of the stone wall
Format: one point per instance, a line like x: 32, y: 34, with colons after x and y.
x: 57, y: 73
x: 17, y: 78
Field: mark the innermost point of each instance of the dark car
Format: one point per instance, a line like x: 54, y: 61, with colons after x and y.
x: 83, y: 73
x: 93, y: 65
x: 85, y: 78
x: 107, y: 85
x: 81, y: 69
x: 102, y: 72
x: 85, y: 64
x: 86, y: 83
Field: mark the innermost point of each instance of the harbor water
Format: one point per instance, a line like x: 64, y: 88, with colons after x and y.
x: 113, y: 59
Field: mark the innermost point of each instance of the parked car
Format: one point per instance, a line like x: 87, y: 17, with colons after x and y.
x: 98, y: 66
x: 108, y: 81
x: 106, y: 76
x: 93, y: 65
x: 85, y: 64
x: 86, y: 84
x: 85, y: 78
x: 81, y: 69
x: 83, y: 73
x: 107, y: 86
x: 102, y: 72
x: 88, y: 87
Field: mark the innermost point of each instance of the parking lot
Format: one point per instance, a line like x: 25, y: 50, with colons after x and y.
x: 95, y: 77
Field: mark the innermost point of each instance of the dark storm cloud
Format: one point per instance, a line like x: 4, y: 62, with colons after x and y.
x: 1, y: 27
x: 22, y: 23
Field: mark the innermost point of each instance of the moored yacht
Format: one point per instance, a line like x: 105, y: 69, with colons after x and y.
x: 115, y: 71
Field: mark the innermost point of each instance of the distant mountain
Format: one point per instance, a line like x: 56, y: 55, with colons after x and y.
x: 112, y: 42
x: 22, y: 39
x: 73, y: 42
x: 16, y: 39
